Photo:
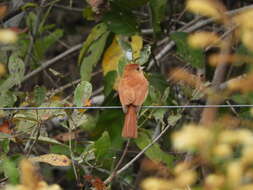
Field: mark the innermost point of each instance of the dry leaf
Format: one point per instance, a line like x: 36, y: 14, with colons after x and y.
x: 3, y: 11
x: 52, y: 159
x: 96, y: 182
x: 63, y: 137
x: 5, y: 128
x: 2, y: 69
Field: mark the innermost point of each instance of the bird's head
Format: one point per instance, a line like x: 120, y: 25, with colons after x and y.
x: 133, y: 67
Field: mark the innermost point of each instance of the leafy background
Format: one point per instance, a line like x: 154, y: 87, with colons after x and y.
x: 72, y: 53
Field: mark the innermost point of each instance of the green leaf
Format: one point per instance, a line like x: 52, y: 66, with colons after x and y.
x: 109, y: 82
x: 58, y: 149
x: 158, y: 9
x: 5, y: 145
x: 120, y: 21
x: 88, y: 14
x: 7, y: 99
x: 11, y: 171
x: 30, y: 20
x: 39, y: 95
x: 193, y: 56
x: 26, y: 120
x: 173, y: 119
x: 159, y: 114
x: 95, y: 34
x: 82, y: 93
x: 102, y: 146
x: 154, y: 152
x: 242, y: 50
x: 29, y: 5
x: 77, y: 119
x: 43, y: 44
x: 16, y: 68
x: 144, y: 55
x: 122, y: 63
x: 92, y: 56
x: 158, y: 81
x: 112, y: 121
x: 165, y: 95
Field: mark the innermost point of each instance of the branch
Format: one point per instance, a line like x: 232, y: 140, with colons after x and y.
x: 52, y: 61
x: 108, y: 180
x: 192, y: 28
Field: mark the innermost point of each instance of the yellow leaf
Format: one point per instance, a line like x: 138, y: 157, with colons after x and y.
x: 156, y: 184
x: 52, y: 159
x: 136, y: 44
x: 247, y: 39
x: 7, y: 36
x: 210, y: 8
x: 29, y: 176
x: 114, y: 52
x: 244, y: 19
x: 31, y: 179
x: 202, y: 39
x: 112, y: 57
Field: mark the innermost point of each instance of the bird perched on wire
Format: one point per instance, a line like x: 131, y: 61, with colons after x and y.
x: 133, y: 89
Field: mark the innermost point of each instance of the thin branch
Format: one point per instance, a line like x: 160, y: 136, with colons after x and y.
x: 192, y: 28
x: 52, y: 61
x: 108, y: 180
x: 33, y: 36
x: 208, y: 115
x: 120, y: 161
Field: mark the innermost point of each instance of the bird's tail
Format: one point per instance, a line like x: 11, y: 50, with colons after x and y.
x: 130, y: 124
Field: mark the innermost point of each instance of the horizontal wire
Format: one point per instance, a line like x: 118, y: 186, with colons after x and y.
x: 120, y: 107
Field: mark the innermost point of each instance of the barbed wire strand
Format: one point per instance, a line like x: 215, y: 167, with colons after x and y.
x: 119, y: 107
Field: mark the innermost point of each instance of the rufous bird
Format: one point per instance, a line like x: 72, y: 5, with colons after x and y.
x: 133, y: 89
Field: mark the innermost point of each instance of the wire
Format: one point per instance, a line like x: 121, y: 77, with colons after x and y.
x: 119, y: 107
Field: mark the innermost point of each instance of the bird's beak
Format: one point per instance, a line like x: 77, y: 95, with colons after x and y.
x: 141, y: 67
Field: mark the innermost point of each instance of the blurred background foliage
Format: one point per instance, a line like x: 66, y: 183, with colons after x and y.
x: 72, y: 53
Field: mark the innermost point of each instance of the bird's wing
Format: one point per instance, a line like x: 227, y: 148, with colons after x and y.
x: 126, y: 92
x: 141, y: 91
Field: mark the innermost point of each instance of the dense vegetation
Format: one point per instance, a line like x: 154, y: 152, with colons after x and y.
x: 65, y: 53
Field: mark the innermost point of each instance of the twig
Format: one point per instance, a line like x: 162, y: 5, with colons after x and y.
x: 62, y: 88
x: 208, y: 115
x: 192, y: 28
x: 33, y: 37
x: 70, y: 84
x: 108, y: 180
x: 51, y: 61
x: 120, y: 161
